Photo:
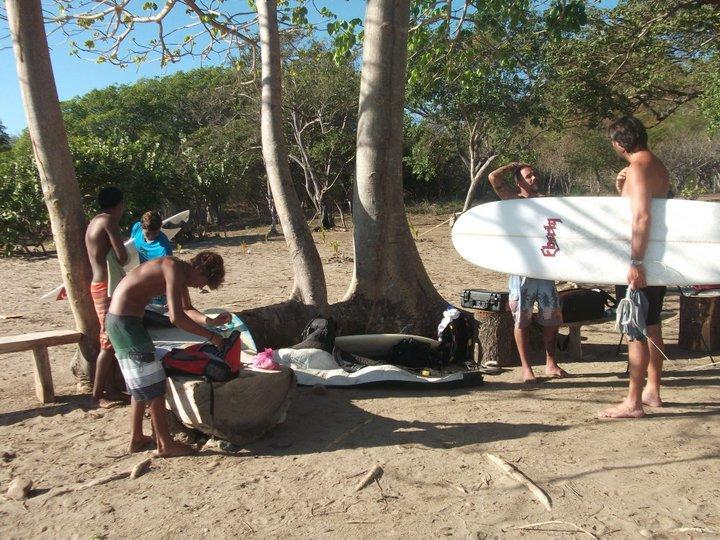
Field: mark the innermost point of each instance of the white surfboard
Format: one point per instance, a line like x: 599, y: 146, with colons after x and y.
x: 170, y: 226
x: 372, y: 345
x: 171, y: 337
x: 587, y: 239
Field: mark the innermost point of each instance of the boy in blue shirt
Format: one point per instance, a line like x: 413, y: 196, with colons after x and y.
x: 151, y: 242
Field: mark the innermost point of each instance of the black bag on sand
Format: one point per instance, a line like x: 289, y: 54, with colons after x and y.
x: 585, y: 304
x: 414, y: 354
x: 318, y: 334
x: 456, y: 340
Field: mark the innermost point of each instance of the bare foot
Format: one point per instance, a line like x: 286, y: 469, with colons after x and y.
x: 651, y: 398
x: 555, y: 372
x: 141, y: 444
x: 624, y: 410
x: 176, y: 449
x: 115, y: 395
x: 529, y: 377
x: 104, y: 403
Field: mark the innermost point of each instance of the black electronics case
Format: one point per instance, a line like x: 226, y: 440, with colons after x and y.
x: 484, y: 300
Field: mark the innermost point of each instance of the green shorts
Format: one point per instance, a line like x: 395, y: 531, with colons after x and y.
x: 144, y: 374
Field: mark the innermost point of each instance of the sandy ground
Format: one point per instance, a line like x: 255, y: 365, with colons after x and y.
x: 615, y: 479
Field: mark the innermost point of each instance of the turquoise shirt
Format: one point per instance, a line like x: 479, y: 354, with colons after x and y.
x: 160, y: 247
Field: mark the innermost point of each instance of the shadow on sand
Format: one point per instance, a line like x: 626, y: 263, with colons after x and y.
x: 62, y: 405
x: 324, y: 423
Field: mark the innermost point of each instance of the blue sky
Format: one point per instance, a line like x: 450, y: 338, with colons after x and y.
x: 75, y: 76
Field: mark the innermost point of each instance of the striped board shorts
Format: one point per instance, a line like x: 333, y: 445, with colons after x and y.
x: 144, y: 374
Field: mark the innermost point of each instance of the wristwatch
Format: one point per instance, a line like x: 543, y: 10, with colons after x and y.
x: 636, y: 262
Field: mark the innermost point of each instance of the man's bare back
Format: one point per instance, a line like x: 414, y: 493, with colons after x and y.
x: 648, y: 170
x: 147, y: 281
x: 102, y: 235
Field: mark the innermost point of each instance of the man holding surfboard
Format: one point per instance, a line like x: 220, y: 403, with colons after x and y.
x: 102, y: 236
x: 525, y: 291
x: 644, y: 179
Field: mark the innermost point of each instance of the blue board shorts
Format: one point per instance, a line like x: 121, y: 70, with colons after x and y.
x: 525, y: 292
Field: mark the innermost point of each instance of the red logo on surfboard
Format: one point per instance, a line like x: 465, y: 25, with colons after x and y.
x: 551, y: 247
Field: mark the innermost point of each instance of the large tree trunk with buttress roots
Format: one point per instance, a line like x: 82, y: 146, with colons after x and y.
x: 390, y: 286
x: 309, y: 286
x: 390, y: 290
x: 57, y: 174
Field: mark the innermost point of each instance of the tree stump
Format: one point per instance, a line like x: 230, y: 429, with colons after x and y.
x: 495, y: 338
x: 699, y: 319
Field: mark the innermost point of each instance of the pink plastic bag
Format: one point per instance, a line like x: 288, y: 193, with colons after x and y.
x: 264, y: 360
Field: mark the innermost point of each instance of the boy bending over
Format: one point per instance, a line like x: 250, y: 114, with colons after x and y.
x: 143, y: 373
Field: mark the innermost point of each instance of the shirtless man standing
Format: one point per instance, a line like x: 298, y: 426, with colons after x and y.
x: 525, y: 291
x: 102, y: 235
x: 144, y: 374
x: 644, y: 179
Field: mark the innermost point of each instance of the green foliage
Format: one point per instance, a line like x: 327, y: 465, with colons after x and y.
x: 565, y: 16
x: 473, y: 73
x: 217, y: 167
x: 23, y: 216
x: 431, y: 154
x: 643, y: 56
x: 710, y: 101
x: 345, y: 36
x: 320, y: 101
x: 164, y: 109
x: 577, y: 161
x: 187, y: 139
x: 142, y: 168
x: 4, y: 138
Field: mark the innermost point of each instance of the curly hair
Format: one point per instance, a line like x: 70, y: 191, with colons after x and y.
x: 151, y: 220
x: 211, y: 267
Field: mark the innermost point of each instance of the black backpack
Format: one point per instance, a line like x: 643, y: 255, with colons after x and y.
x: 456, y: 340
x: 585, y: 304
x: 414, y: 354
x: 318, y: 334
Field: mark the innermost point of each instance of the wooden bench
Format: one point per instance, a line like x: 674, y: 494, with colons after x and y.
x: 39, y: 342
x: 574, y: 348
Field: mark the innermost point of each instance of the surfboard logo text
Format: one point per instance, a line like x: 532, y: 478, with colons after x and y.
x: 551, y: 247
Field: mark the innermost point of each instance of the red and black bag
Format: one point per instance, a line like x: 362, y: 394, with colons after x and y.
x: 205, y: 360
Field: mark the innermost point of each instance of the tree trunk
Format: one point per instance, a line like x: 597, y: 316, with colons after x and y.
x: 495, y: 338
x: 475, y: 178
x: 390, y: 285
x: 273, y: 213
x: 55, y: 165
x: 309, y: 286
x: 278, y: 325
x: 327, y: 220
